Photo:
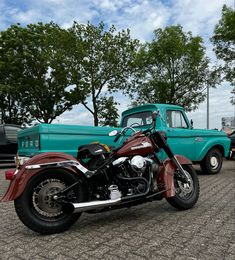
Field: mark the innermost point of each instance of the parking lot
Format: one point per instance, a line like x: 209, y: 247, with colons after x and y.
x: 150, y: 231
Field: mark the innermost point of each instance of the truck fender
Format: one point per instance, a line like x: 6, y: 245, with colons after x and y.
x: 35, y: 165
x: 223, y: 145
x: 165, y: 179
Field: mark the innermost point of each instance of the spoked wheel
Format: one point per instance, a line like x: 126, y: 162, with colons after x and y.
x: 38, y: 209
x: 186, y: 193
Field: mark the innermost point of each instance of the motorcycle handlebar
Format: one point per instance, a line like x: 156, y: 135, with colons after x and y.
x: 117, y: 137
x: 123, y: 131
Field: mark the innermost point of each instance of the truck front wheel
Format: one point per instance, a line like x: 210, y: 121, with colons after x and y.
x: 212, y: 162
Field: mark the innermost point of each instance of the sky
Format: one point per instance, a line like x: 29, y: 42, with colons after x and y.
x: 141, y: 17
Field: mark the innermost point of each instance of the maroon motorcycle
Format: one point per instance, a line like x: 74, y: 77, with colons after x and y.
x: 51, y: 190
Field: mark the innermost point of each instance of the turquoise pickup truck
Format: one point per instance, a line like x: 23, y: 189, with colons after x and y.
x: 206, y: 147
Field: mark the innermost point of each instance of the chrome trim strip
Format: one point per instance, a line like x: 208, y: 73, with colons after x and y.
x: 76, y: 164
x: 16, y: 171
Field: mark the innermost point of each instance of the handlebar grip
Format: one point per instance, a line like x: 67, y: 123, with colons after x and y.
x: 117, y: 137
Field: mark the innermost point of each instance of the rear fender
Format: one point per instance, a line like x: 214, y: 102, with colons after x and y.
x: 165, y: 178
x: 35, y: 165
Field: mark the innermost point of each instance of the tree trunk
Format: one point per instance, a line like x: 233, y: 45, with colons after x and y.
x: 95, y: 108
x: 96, y: 120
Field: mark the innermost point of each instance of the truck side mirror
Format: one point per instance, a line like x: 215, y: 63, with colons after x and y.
x: 191, y: 123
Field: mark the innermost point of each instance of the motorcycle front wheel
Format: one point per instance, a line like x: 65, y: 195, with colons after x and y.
x: 186, y: 195
x: 36, y: 208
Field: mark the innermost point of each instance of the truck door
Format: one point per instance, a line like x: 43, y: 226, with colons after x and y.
x: 179, y: 134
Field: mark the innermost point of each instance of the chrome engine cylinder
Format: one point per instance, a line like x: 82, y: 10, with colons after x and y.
x: 138, y: 163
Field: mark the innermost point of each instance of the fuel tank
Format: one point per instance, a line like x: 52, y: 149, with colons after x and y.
x: 137, y: 144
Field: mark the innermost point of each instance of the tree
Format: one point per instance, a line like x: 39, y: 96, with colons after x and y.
x: 37, y: 59
x: 173, y: 68
x: 11, y: 109
x: 224, y: 44
x: 106, y: 65
x: 107, y: 111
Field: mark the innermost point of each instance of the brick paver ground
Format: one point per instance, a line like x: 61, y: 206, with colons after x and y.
x: 150, y: 231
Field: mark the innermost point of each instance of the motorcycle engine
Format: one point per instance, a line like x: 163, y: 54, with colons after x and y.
x: 131, y: 167
x: 138, y: 164
x: 133, y: 174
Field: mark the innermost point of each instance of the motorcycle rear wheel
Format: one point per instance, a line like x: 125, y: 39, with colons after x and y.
x: 186, y: 195
x: 38, y: 211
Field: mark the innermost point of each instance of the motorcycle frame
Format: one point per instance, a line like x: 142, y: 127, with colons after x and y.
x: 38, y: 164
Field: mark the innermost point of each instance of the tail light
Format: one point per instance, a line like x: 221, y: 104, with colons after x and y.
x: 10, y: 174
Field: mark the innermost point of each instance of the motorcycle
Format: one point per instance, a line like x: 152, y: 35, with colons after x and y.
x: 51, y: 190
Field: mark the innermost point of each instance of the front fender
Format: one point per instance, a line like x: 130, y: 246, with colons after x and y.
x: 165, y: 179
x: 21, y: 178
x: 222, y: 144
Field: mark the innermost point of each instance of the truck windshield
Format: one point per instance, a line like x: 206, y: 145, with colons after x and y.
x: 138, y: 119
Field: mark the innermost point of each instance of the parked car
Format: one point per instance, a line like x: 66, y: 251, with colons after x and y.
x: 8, y: 142
x: 232, y: 146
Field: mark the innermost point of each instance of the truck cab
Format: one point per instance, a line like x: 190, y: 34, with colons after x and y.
x: 207, y: 147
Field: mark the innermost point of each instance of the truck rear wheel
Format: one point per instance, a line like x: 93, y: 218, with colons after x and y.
x: 212, y: 162
x: 36, y: 208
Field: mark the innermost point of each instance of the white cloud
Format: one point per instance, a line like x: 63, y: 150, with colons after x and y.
x: 198, y: 16
x: 78, y: 116
x: 141, y: 17
x: 63, y: 12
x: 219, y: 106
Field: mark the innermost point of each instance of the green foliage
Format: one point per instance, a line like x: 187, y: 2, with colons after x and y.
x: 33, y: 62
x: 106, y: 64
x: 224, y: 44
x: 173, y: 69
x: 107, y: 111
x: 11, y: 109
x: 11, y: 93
x: 45, y: 70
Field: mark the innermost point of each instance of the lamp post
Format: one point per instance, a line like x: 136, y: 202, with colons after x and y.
x: 207, y: 110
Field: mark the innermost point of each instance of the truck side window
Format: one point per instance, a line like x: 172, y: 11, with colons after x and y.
x: 11, y: 133
x: 175, y: 119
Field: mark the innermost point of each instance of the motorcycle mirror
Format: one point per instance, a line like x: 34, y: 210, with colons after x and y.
x: 154, y: 117
x: 113, y: 133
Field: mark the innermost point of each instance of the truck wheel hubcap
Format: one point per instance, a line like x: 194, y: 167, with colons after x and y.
x: 214, y: 162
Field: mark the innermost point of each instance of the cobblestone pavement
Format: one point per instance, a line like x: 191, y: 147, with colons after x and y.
x: 150, y: 231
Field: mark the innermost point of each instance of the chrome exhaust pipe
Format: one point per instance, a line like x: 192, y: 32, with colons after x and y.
x: 85, y: 206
